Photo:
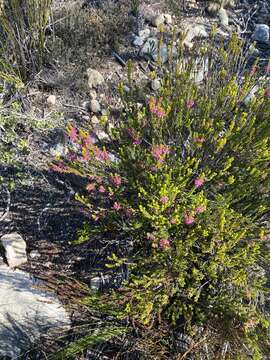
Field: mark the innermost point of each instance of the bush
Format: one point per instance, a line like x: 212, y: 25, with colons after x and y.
x: 182, y: 191
x: 23, y: 25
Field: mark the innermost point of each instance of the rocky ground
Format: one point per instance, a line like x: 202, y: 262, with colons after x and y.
x: 90, y: 45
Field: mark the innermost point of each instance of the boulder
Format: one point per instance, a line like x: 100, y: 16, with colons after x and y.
x: 94, y: 106
x: 15, y: 249
x: 223, y: 17
x: 51, y: 100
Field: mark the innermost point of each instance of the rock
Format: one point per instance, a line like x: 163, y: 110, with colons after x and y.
x: 261, y: 33
x: 58, y: 150
x: 94, y: 78
x: 34, y: 254
x: 168, y: 19
x: 158, y: 20
x: 150, y: 47
x: 200, y: 71
x: 138, y: 41
x: 213, y: 8
x: 15, y: 249
x: 94, y: 120
x: 98, y: 282
x: 26, y: 312
x: 223, y: 17
x: 145, y: 33
x: 147, y: 12
x: 51, y: 100
x: 155, y: 84
x: 94, y: 106
x: 195, y: 31
x: 100, y: 133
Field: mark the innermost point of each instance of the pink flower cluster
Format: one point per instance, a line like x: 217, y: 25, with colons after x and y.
x: 164, y: 244
x: 159, y: 152
x: 101, y: 155
x: 164, y: 199
x: 199, y: 182
x: 156, y: 108
x: 116, y: 180
x: 189, y: 219
x: 190, y: 103
x: 136, y: 140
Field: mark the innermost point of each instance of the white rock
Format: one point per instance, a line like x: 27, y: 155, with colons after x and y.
x: 138, y: 41
x: 15, y: 249
x: 51, y: 100
x: 26, y: 312
x: 94, y: 106
x: 158, y: 20
x: 58, y: 150
x: 168, y: 19
x: 94, y: 120
x: 155, y: 84
x: 145, y: 33
x: 100, y: 133
x: 195, y: 31
x: 94, y: 78
x: 223, y: 17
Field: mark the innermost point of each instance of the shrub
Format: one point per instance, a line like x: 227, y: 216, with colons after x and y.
x: 22, y: 31
x: 182, y: 191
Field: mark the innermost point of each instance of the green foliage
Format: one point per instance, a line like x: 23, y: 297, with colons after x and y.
x: 90, y: 340
x: 22, y: 33
x: 185, y: 182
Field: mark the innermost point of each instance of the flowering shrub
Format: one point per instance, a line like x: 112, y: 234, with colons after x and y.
x: 185, y: 180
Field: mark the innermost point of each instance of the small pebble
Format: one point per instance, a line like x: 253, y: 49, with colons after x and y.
x: 51, y: 100
x: 94, y: 106
x: 155, y: 84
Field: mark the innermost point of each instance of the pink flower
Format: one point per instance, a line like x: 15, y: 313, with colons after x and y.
x: 266, y: 237
x: 164, y: 244
x: 198, y: 182
x: 102, y: 189
x: 267, y: 69
x: 200, y: 209
x: 164, y: 199
x: 60, y: 167
x: 73, y: 134
x: 173, y: 221
x: 116, y: 180
x: 190, y: 104
x: 159, y: 152
x: 267, y: 93
x: 156, y: 108
x: 101, y: 155
x: 188, y: 219
x: 90, y: 187
x: 253, y: 70
x: 199, y: 140
x: 72, y: 156
x: 137, y: 141
x: 116, y: 206
x: 88, y: 140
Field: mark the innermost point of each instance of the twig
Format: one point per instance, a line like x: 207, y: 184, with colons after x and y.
x: 119, y: 59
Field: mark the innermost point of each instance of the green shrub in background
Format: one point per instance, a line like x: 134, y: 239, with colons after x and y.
x: 182, y: 191
x: 22, y: 32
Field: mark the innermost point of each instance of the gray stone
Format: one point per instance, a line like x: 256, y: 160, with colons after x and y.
x: 15, y: 249
x: 93, y: 94
x: 223, y: 17
x: 261, y: 33
x: 94, y: 106
x: 197, y: 31
x: 26, y: 312
x: 138, y: 41
x: 58, y: 150
x: 213, y: 8
x: 251, y: 95
x: 158, y: 20
x: 98, y: 282
x: 155, y: 84
x: 150, y: 50
x: 94, y: 120
x: 94, y: 78
x: 145, y: 33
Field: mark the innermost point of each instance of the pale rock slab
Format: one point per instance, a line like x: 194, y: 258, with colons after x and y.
x: 26, y: 312
x: 15, y: 249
